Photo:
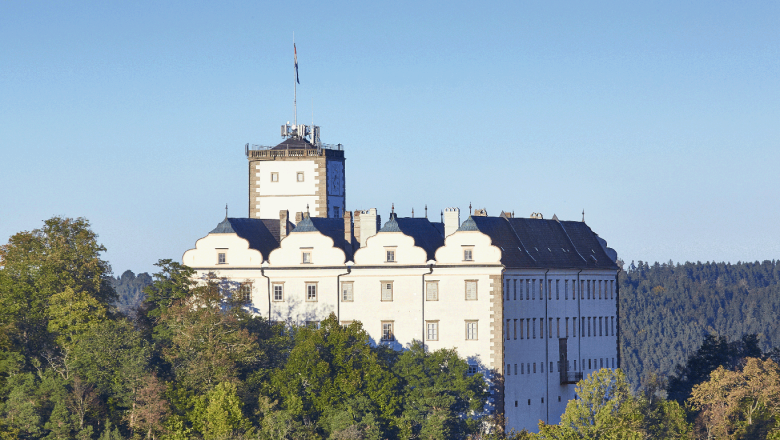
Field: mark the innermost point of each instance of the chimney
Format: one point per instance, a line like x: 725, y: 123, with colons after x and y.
x: 451, y: 221
x: 298, y: 217
x: 356, y: 226
x: 369, y: 225
x: 348, y: 227
x: 480, y: 213
x: 283, y: 231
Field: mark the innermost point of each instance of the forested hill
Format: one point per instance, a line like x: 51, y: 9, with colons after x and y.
x: 130, y: 291
x: 667, y: 309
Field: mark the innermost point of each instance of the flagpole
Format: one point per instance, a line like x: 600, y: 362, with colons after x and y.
x: 295, y: 90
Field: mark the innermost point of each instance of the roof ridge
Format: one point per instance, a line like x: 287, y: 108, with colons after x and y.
x: 525, y: 249
x: 572, y: 242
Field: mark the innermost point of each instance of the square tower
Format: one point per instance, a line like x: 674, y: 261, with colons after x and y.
x: 300, y: 174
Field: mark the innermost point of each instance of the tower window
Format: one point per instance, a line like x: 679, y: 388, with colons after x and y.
x: 387, y: 290
x: 274, y: 177
x: 432, y: 290
x: 245, y: 293
x: 346, y: 291
x: 471, y: 330
x: 471, y: 290
x: 387, y: 331
x: 433, y: 331
x: 336, y: 212
x: 300, y: 176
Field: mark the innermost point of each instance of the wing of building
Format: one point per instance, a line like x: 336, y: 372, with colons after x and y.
x: 531, y: 303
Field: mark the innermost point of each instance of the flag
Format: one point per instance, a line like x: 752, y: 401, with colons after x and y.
x: 296, y: 64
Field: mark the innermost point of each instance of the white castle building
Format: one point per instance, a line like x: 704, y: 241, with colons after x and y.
x: 531, y: 303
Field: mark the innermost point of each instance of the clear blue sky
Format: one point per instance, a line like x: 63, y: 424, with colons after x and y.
x: 660, y: 119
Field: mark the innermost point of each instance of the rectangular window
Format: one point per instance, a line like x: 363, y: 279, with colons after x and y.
x: 600, y: 286
x: 551, y: 370
x: 346, y: 291
x: 557, y: 289
x: 541, y: 328
x: 582, y: 289
x: 313, y: 324
x: 613, y: 362
x: 541, y: 366
x: 612, y: 324
x: 612, y: 289
x: 468, y: 255
x: 588, y: 289
x: 588, y: 325
x: 514, y: 324
x: 522, y: 368
x: 508, y: 334
x: 534, y: 367
x: 387, y: 290
x: 471, y: 290
x: 549, y: 330
x: 527, y: 288
x: 472, y: 370
x: 221, y: 258
x: 311, y: 292
x: 515, y: 369
x: 433, y: 330
x: 274, y: 177
x: 299, y: 176
x: 573, y: 290
x: 600, y: 326
x: 278, y: 292
x: 471, y: 330
x: 533, y: 289
x: 527, y: 331
x: 346, y: 323
x: 387, y: 331
x: 566, y: 289
x: 558, y: 327
x: 245, y: 293
x: 534, y: 328
x: 567, y: 327
x: 390, y: 257
x: 574, y: 327
x: 521, y: 329
x: 515, y: 290
x: 590, y: 367
x: 601, y: 363
x: 575, y: 365
x: 306, y: 257
x: 431, y: 290
x: 549, y: 290
x: 508, y: 370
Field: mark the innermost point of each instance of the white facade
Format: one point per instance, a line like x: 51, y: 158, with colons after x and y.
x: 507, y: 293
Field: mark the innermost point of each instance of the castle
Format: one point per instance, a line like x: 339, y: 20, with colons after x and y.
x: 531, y: 303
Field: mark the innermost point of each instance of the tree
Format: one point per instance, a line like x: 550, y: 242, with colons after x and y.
x: 604, y: 409
x: 36, y: 266
x: 217, y: 415
x: 743, y: 402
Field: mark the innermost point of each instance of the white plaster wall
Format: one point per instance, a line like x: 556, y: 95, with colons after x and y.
x: 287, y: 184
x: 535, y: 386
x: 237, y: 251
x: 269, y: 207
x: 483, y: 251
x: 375, y: 251
x: 289, y: 253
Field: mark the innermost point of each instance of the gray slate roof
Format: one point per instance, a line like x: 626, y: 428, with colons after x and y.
x: 426, y: 235
x: 293, y: 143
x: 331, y: 227
x: 262, y: 235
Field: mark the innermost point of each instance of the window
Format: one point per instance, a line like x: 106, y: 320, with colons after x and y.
x: 387, y: 290
x: 311, y: 292
x: 549, y: 329
x: 515, y: 328
x: 549, y: 289
x: 346, y: 323
x: 529, y: 402
x: 221, y: 258
x: 346, y: 291
x: 245, y: 293
x: 541, y: 365
x: 558, y: 327
x: 573, y: 290
x: 541, y: 290
x: 432, y: 290
x: 600, y: 289
x: 433, y: 330
x: 515, y: 369
x: 515, y: 403
x: 589, y: 289
x: 613, y: 362
x: 507, y: 329
x: 541, y: 328
x: 472, y: 370
x: 527, y: 288
x: 575, y: 365
x: 588, y: 325
x: 521, y: 329
x: 300, y: 176
x: 600, y: 327
x: 566, y: 289
x: 471, y: 290
x: 533, y: 289
x: 559, y: 398
x: 390, y: 257
x: 336, y: 212
x: 467, y: 254
x: 574, y: 328
x: 612, y: 321
x: 589, y: 365
x: 313, y: 324
x: 551, y: 367
x: 534, y: 367
x: 387, y: 331
x: 508, y: 370
x: 274, y: 177
x: 521, y: 293
x: 522, y: 368
x: 612, y: 289
x: 534, y: 328
x: 471, y: 330
x: 306, y: 257
x: 278, y: 292
x: 567, y: 327
x: 557, y: 289
x: 601, y: 363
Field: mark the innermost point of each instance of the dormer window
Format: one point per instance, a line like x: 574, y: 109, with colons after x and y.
x: 390, y: 256
x: 468, y: 254
x: 306, y: 257
x: 221, y: 259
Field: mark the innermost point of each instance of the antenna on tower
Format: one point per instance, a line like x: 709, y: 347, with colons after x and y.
x: 225, y: 211
x: 296, y: 81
